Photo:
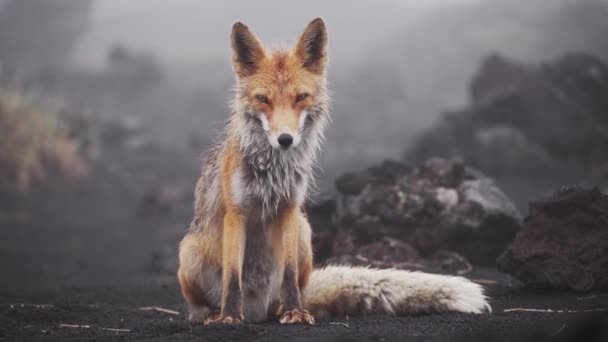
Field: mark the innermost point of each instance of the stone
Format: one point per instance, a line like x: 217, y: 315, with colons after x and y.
x: 563, y: 243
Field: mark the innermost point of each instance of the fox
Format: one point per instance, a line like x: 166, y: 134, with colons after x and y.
x: 247, y: 255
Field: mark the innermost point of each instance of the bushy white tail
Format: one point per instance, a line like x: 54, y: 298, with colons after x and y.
x: 343, y: 290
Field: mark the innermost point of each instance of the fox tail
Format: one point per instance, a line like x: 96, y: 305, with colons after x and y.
x: 343, y: 290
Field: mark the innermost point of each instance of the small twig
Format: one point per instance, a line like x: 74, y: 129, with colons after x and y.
x: 74, y: 326
x: 85, y: 326
x: 341, y: 323
x: 36, y: 306
x: 553, y: 311
x: 555, y: 333
x: 484, y: 281
x: 586, y: 297
x: 115, y: 330
x: 156, y: 308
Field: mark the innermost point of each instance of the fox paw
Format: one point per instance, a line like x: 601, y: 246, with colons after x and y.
x: 212, y: 317
x: 297, y: 317
x: 217, y: 318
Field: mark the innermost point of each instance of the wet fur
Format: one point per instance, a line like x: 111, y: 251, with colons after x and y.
x: 247, y: 254
x: 244, y: 176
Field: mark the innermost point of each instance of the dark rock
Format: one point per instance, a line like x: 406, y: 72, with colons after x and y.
x: 389, y: 250
x: 539, y: 121
x: 320, y: 212
x: 392, y: 253
x: 352, y: 183
x: 482, y: 222
x: 441, y: 204
x: 322, y: 245
x: 386, y: 173
x: 343, y: 243
x: 563, y: 243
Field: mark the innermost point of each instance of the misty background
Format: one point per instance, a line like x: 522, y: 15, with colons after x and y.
x: 107, y: 108
x: 394, y: 65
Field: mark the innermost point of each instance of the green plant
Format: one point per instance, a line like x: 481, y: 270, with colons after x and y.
x: 32, y: 143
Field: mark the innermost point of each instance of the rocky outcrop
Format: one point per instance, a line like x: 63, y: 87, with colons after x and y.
x: 395, y: 214
x: 563, y: 243
x: 538, y: 121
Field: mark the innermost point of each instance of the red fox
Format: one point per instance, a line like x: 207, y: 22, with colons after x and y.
x: 248, y: 255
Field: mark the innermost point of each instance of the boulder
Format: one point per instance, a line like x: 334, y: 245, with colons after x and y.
x: 538, y: 122
x: 393, y: 253
x: 442, y: 204
x: 563, y: 243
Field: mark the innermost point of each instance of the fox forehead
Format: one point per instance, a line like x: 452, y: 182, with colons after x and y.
x: 281, y: 74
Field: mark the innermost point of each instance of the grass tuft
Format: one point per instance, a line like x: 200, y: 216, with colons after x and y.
x: 33, y: 145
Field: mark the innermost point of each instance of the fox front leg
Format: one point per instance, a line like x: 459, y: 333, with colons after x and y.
x: 291, y: 310
x: 233, y: 247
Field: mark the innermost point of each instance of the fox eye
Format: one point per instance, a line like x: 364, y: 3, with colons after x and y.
x: 301, y: 97
x: 262, y: 98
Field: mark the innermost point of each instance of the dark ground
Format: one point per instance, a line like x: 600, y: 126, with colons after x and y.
x: 96, y: 254
x: 118, y: 307
x: 114, y: 307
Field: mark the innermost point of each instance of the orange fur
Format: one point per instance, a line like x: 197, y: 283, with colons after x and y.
x: 281, y: 84
x: 248, y: 251
x: 281, y: 79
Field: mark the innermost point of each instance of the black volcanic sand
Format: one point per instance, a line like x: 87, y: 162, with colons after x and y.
x: 116, y: 307
x: 89, y: 259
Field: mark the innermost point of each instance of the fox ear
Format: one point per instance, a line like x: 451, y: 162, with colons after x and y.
x: 247, y: 51
x: 311, y: 48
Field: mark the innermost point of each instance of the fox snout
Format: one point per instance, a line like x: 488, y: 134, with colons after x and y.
x: 285, y: 140
x: 284, y: 133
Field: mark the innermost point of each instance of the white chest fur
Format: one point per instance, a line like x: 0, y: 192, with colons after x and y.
x: 277, y: 184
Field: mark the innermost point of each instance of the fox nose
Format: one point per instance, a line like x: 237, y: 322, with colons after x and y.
x: 285, y: 140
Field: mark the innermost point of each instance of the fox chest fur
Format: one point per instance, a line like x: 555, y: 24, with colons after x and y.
x: 268, y: 181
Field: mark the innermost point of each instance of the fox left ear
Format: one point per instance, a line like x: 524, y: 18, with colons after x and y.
x: 247, y: 51
x: 311, y: 48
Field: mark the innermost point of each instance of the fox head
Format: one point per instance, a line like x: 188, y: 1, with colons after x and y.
x: 282, y: 90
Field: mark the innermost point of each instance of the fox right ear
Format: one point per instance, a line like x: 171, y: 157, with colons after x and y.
x: 247, y: 51
x: 311, y: 48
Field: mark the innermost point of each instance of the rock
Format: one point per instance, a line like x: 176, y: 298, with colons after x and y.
x: 320, y: 212
x: 392, y: 253
x: 482, y: 223
x: 322, y: 245
x: 563, y: 243
x: 440, y: 204
x: 540, y: 121
x: 386, y: 173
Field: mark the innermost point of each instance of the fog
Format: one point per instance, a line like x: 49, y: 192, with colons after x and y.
x: 469, y: 138
x: 395, y: 66
x: 191, y: 31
